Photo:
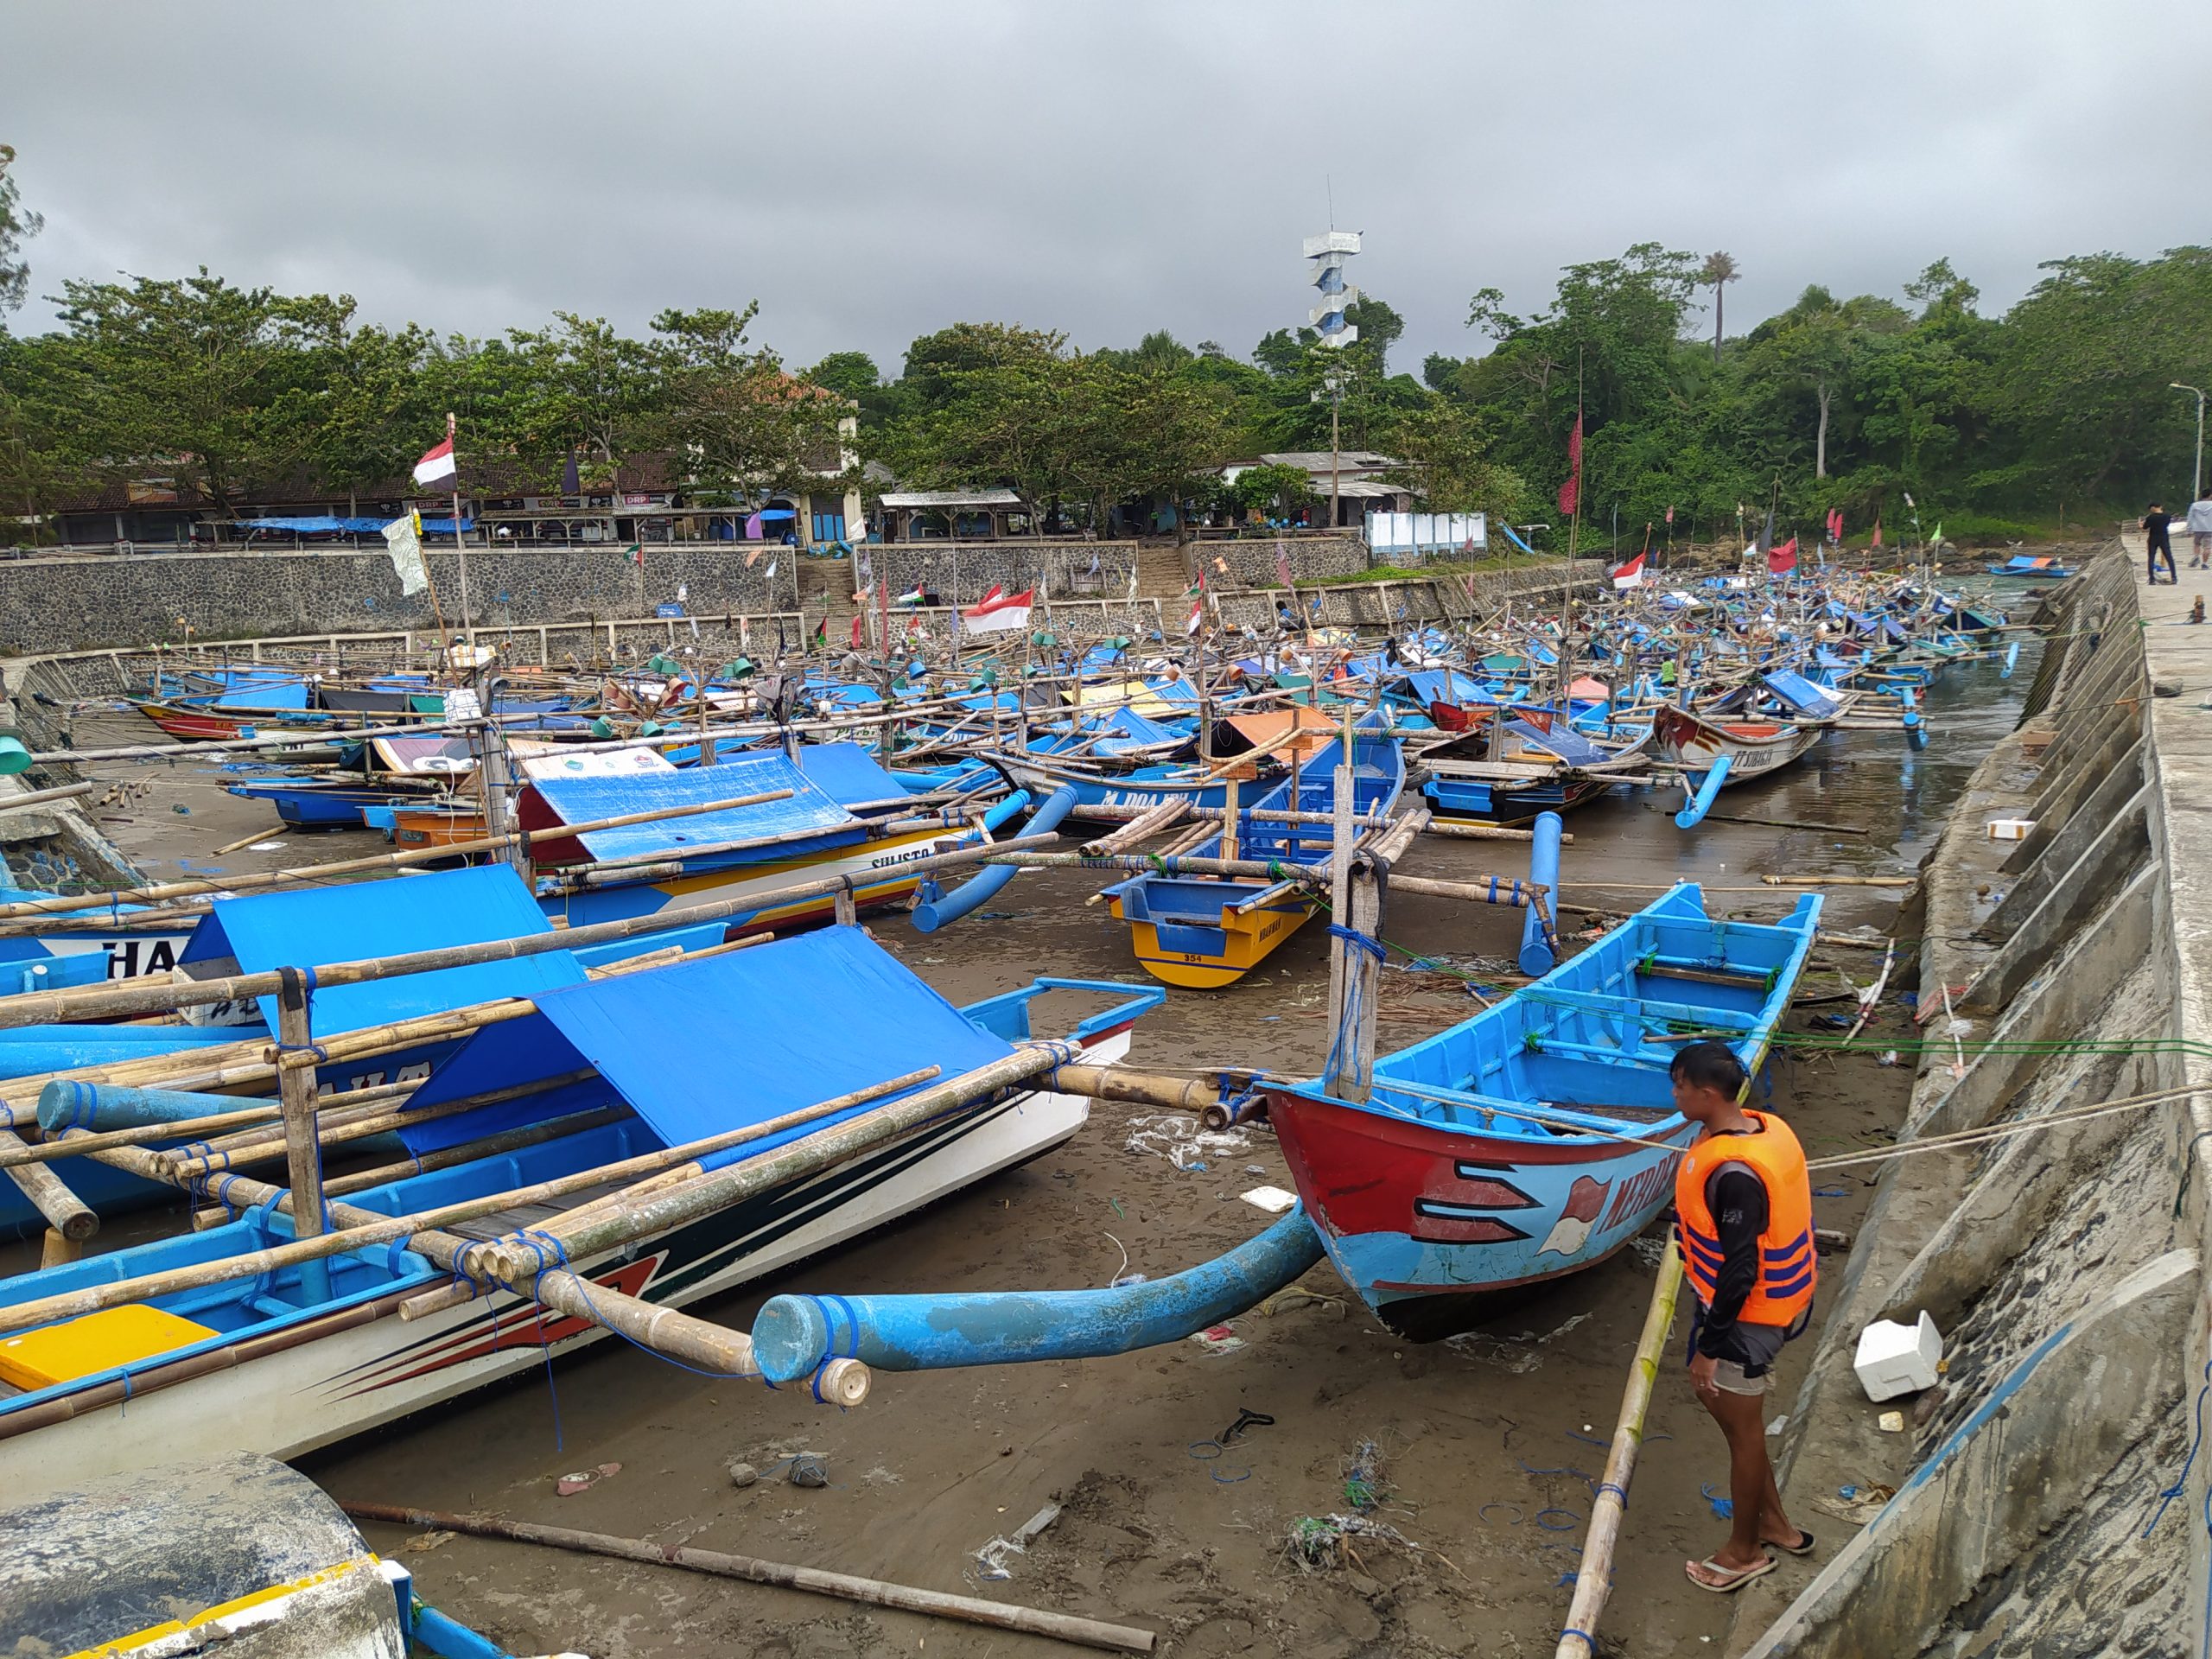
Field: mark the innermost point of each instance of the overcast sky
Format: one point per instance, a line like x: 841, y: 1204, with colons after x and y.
x: 873, y: 171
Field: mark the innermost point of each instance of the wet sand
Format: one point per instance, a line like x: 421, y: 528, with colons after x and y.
x: 1484, y: 1464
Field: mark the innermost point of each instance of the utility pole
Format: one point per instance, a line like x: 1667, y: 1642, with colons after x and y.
x: 2196, y: 482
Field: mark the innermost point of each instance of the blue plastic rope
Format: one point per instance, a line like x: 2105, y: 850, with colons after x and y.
x: 2167, y: 1495
x: 1353, y: 937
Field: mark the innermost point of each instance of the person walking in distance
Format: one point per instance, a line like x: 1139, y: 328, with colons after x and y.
x: 2157, y: 539
x: 2200, y: 533
x: 1744, y: 1222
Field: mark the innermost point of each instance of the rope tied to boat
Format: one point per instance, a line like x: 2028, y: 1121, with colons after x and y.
x: 1357, y: 940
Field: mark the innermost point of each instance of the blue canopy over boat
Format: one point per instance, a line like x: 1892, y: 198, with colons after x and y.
x: 818, y: 1015
x: 846, y: 774
x: 810, y: 819
x: 1802, y: 696
x: 386, y: 918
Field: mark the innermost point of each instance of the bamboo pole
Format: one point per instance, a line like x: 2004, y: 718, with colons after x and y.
x: 360, y: 1228
x: 716, y: 1190
x: 63, y: 1211
x: 489, y: 1145
x: 1593, y: 1573
x: 331, y: 1107
x: 876, y: 1592
x: 42, y: 908
x: 36, y: 1008
x: 41, y: 797
x: 1461, y: 829
x: 302, y: 1153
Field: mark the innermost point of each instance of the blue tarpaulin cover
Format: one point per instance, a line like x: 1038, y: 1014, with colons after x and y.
x: 810, y: 817
x: 699, y: 1048
x: 1447, y: 685
x: 1804, y: 695
x: 385, y: 918
x: 848, y: 774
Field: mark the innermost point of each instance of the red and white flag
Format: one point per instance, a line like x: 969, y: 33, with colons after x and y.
x: 1781, y: 560
x: 998, y: 612
x: 1629, y: 575
x: 435, y: 466
x: 1198, y: 614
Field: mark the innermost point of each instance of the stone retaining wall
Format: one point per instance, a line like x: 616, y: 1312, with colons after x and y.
x: 2061, y: 1260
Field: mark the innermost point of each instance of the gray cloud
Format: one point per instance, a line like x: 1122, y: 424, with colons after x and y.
x: 871, y: 171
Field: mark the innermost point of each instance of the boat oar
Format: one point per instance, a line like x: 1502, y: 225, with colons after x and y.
x: 999, y: 1615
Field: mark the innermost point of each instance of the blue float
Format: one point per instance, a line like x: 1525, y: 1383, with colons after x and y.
x: 1540, y: 943
x: 1701, y: 798
x: 933, y: 914
x: 793, y: 1336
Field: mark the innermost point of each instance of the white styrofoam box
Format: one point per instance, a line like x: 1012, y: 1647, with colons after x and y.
x: 2011, y: 828
x: 1894, y: 1359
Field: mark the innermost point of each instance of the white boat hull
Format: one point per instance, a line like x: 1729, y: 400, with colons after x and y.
x: 368, y: 1368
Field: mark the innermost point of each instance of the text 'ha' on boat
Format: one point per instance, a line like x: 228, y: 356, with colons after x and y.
x: 1208, y: 930
x: 1540, y: 1136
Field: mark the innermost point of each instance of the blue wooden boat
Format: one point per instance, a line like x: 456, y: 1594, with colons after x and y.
x: 1206, y: 931
x: 1492, y: 1156
x: 316, y: 803
x: 2043, y: 569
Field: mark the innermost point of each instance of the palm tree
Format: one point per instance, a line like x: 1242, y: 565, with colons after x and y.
x: 1719, y: 269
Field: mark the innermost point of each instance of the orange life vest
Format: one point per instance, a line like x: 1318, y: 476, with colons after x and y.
x: 1785, y: 1286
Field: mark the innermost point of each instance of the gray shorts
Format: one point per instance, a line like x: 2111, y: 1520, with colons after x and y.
x: 1753, y: 1374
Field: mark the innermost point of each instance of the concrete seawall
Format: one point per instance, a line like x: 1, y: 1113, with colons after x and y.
x: 2061, y: 1254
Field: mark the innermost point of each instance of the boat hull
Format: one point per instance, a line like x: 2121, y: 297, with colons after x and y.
x: 1754, y: 747
x: 1433, y: 1227
x: 340, y: 1373
x: 1199, y: 955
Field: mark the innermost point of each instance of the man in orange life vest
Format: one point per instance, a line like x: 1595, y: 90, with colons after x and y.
x: 1744, y: 1222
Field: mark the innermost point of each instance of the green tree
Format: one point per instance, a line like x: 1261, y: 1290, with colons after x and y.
x: 193, y: 377
x: 18, y: 225
x: 590, y: 391
x: 729, y: 407
x: 1273, y: 489
x: 1716, y: 273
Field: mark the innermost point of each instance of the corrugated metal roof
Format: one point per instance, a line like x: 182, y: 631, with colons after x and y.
x: 952, y: 499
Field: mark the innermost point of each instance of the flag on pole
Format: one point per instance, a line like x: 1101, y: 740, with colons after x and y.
x: 1766, y: 533
x: 998, y: 612
x: 571, y: 483
x: 754, y: 558
x: 822, y: 632
x: 1282, y: 564
x: 636, y: 554
x: 406, y: 549
x: 771, y: 570
x: 1781, y: 560
x: 1835, y: 526
x: 1670, y: 517
x: 912, y: 596
x: 1876, y: 541
x: 1629, y: 575
x: 1570, y: 493
x: 1936, y: 540
x: 856, y: 631
x: 1198, y: 614
x: 436, y: 465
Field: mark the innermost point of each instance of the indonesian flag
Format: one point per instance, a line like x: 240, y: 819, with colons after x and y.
x: 1835, y: 526
x: 1781, y: 560
x: 998, y: 612
x: 435, y: 466
x: 1629, y: 575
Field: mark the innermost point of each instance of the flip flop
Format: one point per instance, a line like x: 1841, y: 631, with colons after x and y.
x: 1732, y: 1578
x: 1802, y: 1546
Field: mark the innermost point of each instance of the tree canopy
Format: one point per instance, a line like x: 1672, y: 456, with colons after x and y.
x: 1839, y: 401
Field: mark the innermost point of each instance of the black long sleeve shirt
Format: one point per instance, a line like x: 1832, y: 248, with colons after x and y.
x: 1736, y: 1198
